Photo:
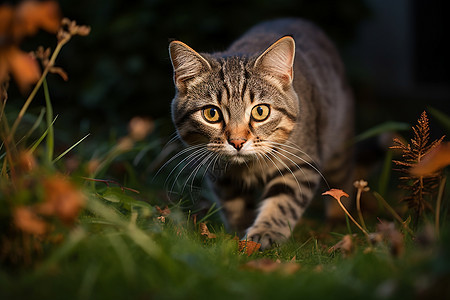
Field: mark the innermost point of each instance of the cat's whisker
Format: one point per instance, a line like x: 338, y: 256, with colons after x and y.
x: 287, y: 168
x: 194, y: 173
x: 311, y: 165
x: 190, y: 157
x: 213, y: 162
x: 192, y: 148
x: 199, y: 154
x: 266, y: 154
x: 294, y: 147
x: 295, y: 164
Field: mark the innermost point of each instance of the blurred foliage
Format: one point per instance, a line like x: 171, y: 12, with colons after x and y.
x: 122, y: 69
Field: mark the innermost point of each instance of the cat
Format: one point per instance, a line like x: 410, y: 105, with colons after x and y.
x: 267, y: 118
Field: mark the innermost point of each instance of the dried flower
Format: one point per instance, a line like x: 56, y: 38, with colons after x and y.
x: 361, y: 186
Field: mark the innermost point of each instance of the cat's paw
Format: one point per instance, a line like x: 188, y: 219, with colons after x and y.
x: 265, y: 236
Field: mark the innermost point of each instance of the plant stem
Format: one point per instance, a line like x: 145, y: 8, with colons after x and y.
x: 358, y: 208
x: 36, y: 87
x: 351, y: 218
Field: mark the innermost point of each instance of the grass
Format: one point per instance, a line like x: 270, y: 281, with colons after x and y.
x: 104, y: 258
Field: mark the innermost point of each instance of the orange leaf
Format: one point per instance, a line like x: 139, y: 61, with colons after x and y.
x: 433, y: 161
x: 32, y: 15
x: 163, y: 212
x: 6, y: 15
x: 336, y: 193
x: 249, y: 247
x: 23, y: 67
x: 62, y: 198
x: 205, y: 231
x: 26, y: 220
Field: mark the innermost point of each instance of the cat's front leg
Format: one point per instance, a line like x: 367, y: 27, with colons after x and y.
x: 284, y: 201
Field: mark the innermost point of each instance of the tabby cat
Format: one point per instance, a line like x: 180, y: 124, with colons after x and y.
x: 267, y: 117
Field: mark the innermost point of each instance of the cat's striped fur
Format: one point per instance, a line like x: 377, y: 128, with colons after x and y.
x: 266, y: 115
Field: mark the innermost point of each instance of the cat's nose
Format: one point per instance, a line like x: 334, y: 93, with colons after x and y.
x: 237, y: 143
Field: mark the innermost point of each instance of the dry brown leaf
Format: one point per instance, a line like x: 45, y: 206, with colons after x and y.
x: 345, y: 245
x: 163, y: 212
x: 336, y: 193
x: 392, y: 236
x: 16, y: 23
x: 27, y: 221
x: 436, y: 159
x: 267, y: 265
x: 31, y: 15
x: 205, y: 231
x: 248, y: 247
x: 24, y: 68
x: 62, y: 199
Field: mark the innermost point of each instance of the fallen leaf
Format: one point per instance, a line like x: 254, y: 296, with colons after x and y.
x: 28, y: 221
x: 62, y: 199
x: 267, y: 265
x: 345, y: 245
x: 392, y: 236
x: 205, y: 231
x: 436, y: 159
x: 163, y: 212
x: 336, y: 193
x: 248, y: 247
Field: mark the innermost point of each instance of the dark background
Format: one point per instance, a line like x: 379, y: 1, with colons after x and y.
x: 396, y: 54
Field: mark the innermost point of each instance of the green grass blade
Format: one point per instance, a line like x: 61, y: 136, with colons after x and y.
x: 36, y: 123
x: 382, y: 128
x: 68, y: 150
x: 49, y: 116
x: 38, y: 142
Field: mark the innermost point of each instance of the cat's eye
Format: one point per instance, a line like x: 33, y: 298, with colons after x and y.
x: 260, y: 112
x: 212, y: 114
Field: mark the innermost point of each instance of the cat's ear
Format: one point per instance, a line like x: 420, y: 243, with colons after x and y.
x: 186, y: 63
x: 278, y: 59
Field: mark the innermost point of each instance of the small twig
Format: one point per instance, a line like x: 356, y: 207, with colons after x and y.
x: 107, y: 182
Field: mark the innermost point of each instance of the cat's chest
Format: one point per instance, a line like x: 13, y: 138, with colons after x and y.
x: 247, y: 175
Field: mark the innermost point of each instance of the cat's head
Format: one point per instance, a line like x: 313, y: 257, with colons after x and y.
x: 238, y: 107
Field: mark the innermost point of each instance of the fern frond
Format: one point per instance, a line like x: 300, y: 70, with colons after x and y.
x: 419, y: 188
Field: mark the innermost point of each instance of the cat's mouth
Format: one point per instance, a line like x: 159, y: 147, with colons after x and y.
x: 230, y: 154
